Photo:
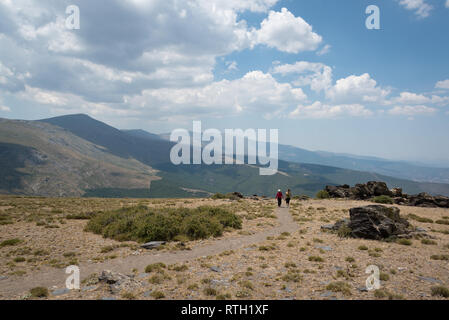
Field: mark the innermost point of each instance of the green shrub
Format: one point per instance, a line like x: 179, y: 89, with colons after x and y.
x: 339, y: 286
x: 420, y: 219
x: 143, y: 224
x: 440, y: 291
x: 405, y: 242
x: 322, y: 194
x: 10, y: 242
x: 383, y: 199
x: 39, y: 292
x: 155, y: 267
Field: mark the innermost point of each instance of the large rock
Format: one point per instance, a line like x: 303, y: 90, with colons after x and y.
x: 377, y: 222
x: 427, y: 201
x: 359, y: 191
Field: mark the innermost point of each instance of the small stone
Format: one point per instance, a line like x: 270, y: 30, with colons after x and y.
x: 326, y: 294
x: 325, y: 248
x: 147, y: 294
x: 215, y: 269
x: 108, y: 298
x: 142, y: 275
x: 152, y: 244
x: 89, y: 288
x: 3, y: 277
x: 60, y: 292
x: 362, y: 289
x: 328, y: 227
x: 429, y: 279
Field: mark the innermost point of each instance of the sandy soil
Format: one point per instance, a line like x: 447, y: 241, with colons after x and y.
x: 268, y: 259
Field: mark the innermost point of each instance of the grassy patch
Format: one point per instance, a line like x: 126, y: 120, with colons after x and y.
x: 39, y: 292
x: 428, y: 242
x: 10, y: 242
x: 440, y: 291
x: 316, y: 259
x: 323, y: 194
x: 405, y: 242
x: 339, y: 286
x: 444, y: 257
x: 142, y: 224
x: 383, y: 199
x: 420, y: 219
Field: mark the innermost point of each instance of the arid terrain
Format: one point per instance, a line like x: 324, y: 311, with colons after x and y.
x: 277, y: 254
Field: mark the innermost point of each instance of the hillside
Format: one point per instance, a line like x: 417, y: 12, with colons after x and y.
x: 41, y: 159
x: 76, y: 155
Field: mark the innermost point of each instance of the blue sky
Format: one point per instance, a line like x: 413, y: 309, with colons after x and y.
x: 309, y: 68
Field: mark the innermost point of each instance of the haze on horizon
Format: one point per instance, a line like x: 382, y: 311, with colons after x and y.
x: 309, y: 68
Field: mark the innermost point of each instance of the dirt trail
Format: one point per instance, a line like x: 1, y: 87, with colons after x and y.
x: 55, y: 277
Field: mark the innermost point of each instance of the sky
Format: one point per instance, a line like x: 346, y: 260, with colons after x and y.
x: 311, y: 69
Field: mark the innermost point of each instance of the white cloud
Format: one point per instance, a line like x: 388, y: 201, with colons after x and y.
x: 256, y: 92
x: 5, y: 108
x: 318, y: 110
x: 411, y: 98
x: 285, y: 32
x: 442, y: 84
x: 231, y: 65
x: 317, y: 75
x: 447, y: 3
x: 412, y: 110
x: 420, y: 7
x: 357, y: 89
x: 325, y: 49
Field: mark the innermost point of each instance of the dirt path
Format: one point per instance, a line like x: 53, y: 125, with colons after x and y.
x: 55, y: 277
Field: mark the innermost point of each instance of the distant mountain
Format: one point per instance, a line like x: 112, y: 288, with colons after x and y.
x: 119, y: 143
x: 77, y: 155
x: 399, y: 169
x: 139, y: 133
x: 37, y: 158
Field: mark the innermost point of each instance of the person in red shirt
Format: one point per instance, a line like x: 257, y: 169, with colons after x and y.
x: 279, y: 197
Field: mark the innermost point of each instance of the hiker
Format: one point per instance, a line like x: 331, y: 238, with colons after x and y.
x: 288, y: 196
x: 279, y: 197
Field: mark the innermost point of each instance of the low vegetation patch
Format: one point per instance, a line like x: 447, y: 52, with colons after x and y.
x: 339, y: 286
x: 420, y: 219
x: 383, y: 199
x: 440, y: 291
x: 323, y: 194
x: 144, y: 224
x: 39, y: 292
x: 10, y: 242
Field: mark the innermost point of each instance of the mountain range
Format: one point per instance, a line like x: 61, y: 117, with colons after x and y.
x: 76, y: 155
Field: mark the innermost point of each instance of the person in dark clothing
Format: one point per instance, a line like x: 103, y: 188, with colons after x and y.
x: 288, y: 196
x: 279, y: 197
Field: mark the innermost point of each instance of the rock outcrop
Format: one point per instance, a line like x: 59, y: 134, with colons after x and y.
x: 359, y: 191
x: 374, y: 189
x: 375, y: 222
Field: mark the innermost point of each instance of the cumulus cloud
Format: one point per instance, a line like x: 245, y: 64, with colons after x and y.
x: 442, y: 84
x: 412, y: 110
x: 411, y: 98
x: 316, y: 75
x: 318, y: 110
x: 420, y: 7
x: 357, y: 89
x: 5, y: 108
x: 325, y: 49
x: 447, y: 3
x: 285, y: 32
x: 256, y: 92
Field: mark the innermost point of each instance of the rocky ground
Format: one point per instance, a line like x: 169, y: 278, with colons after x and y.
x: 304, y: 263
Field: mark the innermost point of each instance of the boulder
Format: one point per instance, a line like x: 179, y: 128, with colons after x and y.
x: 152, y: 244
x: 377, y: 222
x: 359, y: 191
